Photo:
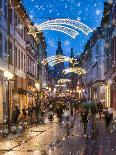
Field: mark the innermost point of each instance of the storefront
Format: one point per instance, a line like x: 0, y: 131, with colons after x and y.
x: 113, y: 94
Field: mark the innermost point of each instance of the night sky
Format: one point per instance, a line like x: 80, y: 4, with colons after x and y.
x: 88, y: 12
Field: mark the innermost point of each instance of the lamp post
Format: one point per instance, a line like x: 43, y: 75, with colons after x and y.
x: 9, y: 76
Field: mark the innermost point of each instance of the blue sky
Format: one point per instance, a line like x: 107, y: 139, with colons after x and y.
x: 88, y: 12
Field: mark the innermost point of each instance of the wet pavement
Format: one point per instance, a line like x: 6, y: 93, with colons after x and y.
x: 56, y: 139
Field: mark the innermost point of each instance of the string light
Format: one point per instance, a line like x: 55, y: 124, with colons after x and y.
x: 53, y: 60
x: 63, y: 80
x: 73, y: 23
x: 76, y: 70
x: 72, y: 33
x: 66, y: 26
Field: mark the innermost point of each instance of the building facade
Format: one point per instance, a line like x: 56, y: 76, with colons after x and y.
x: 99, y: 59
x: 18, y: 55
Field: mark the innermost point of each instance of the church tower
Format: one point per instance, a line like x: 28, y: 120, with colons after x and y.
x: 58, y: 68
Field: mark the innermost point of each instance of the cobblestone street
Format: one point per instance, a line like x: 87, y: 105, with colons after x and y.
x: 56, y: 139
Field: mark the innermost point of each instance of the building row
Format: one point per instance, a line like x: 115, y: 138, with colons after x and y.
x: 99, y: 59
x: 20, y: 54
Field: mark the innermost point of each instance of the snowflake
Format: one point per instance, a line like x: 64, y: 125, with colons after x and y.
x: 50, y: 11
x: 98, y: 12
x: 58, y: 14
x: 20, y: 26
x: 78, y: 18
x: 66, y: 43
x: 95, y: 4
x: 31, y: 16
x: 79, y: 4
x: 51, y: 43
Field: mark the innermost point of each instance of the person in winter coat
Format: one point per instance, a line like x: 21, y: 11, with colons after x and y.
x: 108, y: 117
x: 84, y: 116
x: 37, y: 110
x: 30, y: 112
x: 100, y: 108
x: 15, y: 114
x: 24, y: 111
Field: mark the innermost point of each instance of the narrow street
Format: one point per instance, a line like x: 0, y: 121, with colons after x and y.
x: 57, y: 77
x: 56, y: 139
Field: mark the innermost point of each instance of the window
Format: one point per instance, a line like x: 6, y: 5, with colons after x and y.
x: 15, y: 20
x: 15, y: 56
x: 5, y: 45
x: 27, y: 64
x: 10, y: 54
x: 22, y: 60
x: 0, y: 8
x: 5, y: 8
x: 1, y: 45
x: 11, y: 21
x: 19, y: 59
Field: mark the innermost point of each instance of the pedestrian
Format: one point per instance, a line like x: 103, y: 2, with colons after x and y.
x: 30, y: 112
x: 67, y: 114
x: 15, y: 114
x: 37, y: 110
x: 24, y: 111
x: 84, y: 115
x: 100, y: 108
x: 108, y: 118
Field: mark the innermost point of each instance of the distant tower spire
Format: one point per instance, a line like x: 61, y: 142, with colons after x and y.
x: 59, y: 50
x: 72, y: 53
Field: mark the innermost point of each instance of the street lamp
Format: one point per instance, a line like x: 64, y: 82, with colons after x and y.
x: 9, y: 76
x: 37, y: 85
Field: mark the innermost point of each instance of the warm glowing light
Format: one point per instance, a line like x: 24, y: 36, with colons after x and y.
x: 66, y: 26
x: 76, y: 70
x: 37, y: 85
x: 53, y: 60
x: 59, y: 85
x: 8, y: 75
x: 63, y: 80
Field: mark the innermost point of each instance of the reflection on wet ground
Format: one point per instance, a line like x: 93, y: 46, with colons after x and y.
x: 61, y: 139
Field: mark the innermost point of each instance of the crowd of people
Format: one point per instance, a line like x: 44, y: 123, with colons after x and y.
x: 67, y: 108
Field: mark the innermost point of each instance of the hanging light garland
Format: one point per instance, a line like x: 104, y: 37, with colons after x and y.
x: 53, y: 60
x: 63, y: 80
x: 66, y: 26
x: 76, y: 70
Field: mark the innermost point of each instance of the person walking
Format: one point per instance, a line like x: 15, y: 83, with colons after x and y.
x: 108, y: 118
x: 15, y: 114
x: 30, y: 112
x: 24, y: 111
x: 100, y: 108
x: 37, y: 110
x: 84, y: 116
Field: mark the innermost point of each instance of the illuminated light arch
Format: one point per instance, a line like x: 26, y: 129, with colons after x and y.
x: 66, y: 26
x: 72, y: 33
x: 53, y: 60
x: 73, y: 23
x: 77, y: 70
x: 63, y: 80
